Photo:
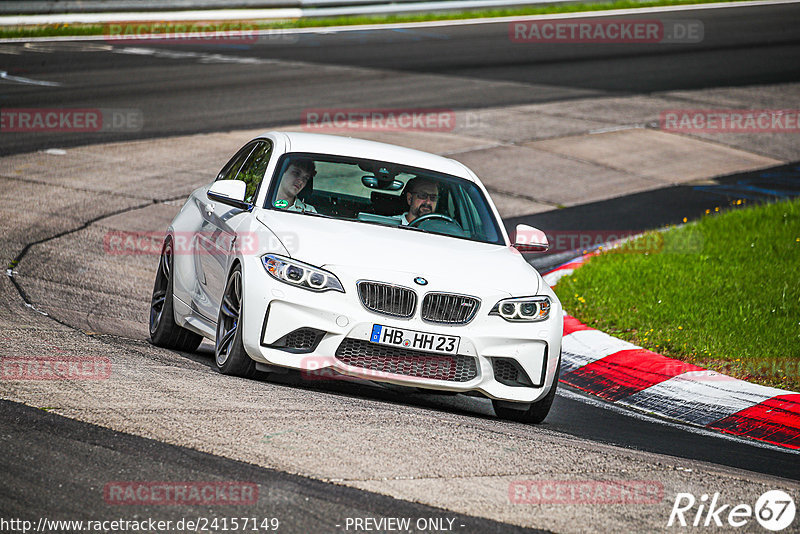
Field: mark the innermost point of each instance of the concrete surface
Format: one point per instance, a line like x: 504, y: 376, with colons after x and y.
x: 662, y: 157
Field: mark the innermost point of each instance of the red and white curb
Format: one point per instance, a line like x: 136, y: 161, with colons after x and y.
x: 628, y: 375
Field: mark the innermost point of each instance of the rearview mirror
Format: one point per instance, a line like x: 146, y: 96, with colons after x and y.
x: 375, y: 182
x: 230, y: 192
x: 530, y: 239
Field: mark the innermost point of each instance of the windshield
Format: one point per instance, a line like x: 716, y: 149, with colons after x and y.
x: 375, y: 192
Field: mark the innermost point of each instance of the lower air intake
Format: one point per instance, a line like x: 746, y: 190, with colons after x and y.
x: 300, y: 340
x: 510, y: 373
x: 414, y: 363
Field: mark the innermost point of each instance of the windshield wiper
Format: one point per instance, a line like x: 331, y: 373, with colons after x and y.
x: 415, y: 228
x: 315, y: 214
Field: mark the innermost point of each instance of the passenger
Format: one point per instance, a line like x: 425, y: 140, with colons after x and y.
x: 299, y: 176
x: 422, y: 195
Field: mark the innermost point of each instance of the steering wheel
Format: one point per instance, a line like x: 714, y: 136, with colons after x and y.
x: 416, y: 222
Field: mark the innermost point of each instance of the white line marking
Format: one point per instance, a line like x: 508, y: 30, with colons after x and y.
x: 495, y: 20
x: 616, y: 129
x: 10, y: 50
x: 19, y: 79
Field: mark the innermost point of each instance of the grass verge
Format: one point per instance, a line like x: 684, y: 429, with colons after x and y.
x: 53, y: 30
x: 722, y: 292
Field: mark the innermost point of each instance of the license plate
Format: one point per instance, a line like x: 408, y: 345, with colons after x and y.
x: 411, y: 339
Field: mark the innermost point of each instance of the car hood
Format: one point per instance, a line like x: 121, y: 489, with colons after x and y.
x: 384, y: 253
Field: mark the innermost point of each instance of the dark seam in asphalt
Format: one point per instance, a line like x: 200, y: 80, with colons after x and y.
x: 16, y: 261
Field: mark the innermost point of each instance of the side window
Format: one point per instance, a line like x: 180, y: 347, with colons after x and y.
x: 249, y: 166
x: 231, y: 168
x: 252, y: 171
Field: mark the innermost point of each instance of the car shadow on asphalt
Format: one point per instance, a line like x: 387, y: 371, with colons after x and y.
x: 342, y: 385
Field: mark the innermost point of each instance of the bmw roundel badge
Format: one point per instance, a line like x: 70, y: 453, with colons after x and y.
x: 421, y: 281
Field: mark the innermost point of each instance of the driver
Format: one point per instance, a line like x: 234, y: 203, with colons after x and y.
x: 422, y: 195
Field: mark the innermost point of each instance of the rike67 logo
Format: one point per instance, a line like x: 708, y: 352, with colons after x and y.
x: 774, y: 510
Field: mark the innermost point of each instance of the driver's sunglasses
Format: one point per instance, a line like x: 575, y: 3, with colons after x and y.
x: 425, y: 196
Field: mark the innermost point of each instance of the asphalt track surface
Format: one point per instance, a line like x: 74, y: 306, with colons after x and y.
x: 301, y: 504
x: 228, y: 86
x: 757, y: 45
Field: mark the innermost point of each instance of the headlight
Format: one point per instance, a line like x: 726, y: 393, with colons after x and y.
x: 300, y: 274
x: 523, y: 309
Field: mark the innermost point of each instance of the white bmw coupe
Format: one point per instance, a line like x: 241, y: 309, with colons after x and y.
x: 317, y: 252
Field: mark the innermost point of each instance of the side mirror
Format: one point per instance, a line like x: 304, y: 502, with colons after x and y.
x: 530, y: 239
x: 230, y: 192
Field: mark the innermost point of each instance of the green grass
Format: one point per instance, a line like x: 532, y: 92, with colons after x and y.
x: 722, y: 292
x: 51, y: 30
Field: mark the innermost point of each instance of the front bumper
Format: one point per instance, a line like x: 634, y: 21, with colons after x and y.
x: 336, y: 328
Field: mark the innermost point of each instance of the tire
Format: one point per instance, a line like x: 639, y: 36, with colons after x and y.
x: 536, y: 412
x: 164, y: 331
x: 230, y: 357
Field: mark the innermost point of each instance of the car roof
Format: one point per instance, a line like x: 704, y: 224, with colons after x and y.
x: 361, y: 148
